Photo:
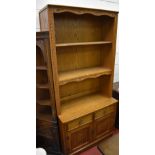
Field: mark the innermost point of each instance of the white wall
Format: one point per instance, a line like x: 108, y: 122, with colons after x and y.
x: 98, y: 4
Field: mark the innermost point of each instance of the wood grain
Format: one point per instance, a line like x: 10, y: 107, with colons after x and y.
x: 69, y: 58
x: 85, y: 28
x: 80, y: 122
x: 81, y: 106
x: 43, y: 19
x: 81, y: 11
x: 53, y: 58
x: 104, y: 125
x: 78, y: 89
x: 82, y: 136
x: 82, y: 74
x: 105, y: 111
x: 83, y: 43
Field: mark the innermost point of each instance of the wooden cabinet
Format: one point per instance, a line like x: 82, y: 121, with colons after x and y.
x: 84, y: 131
x: 82, y: 52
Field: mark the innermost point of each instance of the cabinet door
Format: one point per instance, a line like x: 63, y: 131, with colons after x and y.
x: 104, y: 125
x: 79, y: 137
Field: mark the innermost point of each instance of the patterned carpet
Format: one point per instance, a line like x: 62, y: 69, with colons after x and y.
x: 92, y: 151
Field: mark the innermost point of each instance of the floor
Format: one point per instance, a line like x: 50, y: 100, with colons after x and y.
x: 92, y: 151
x: 110, y: 146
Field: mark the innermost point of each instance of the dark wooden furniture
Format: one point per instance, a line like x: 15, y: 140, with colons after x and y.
x: 115, y: 94
x: 82, y: 44
x: 47, y: 125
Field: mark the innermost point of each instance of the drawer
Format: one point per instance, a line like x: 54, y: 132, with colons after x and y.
x: 79, y: 122
x: 110, y: 109
x: 104, y: 111
x: 99, y: 113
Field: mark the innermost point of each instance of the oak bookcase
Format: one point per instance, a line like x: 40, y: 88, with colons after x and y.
x: 82, y: 53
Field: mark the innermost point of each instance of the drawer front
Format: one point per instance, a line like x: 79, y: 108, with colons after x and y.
x: 79, y: 122
x: 104, y: 111
x: 110, y: 109
x: 99, y: 114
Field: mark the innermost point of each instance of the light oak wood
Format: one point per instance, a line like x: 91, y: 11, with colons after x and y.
x: 69, y: 58
x: 81, y: 10
x: 43, y: 15
x: 104, y: 125
x: 82, y: 136
x: 82, y: 74
x: 104, y: 111
x: 79, y: 122
x: 82, y: 106
x: 83, y: 43
x: 53, y: 57
x: 81, y: 88
x: 84, y: 28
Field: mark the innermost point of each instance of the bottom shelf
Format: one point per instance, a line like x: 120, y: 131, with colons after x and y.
x: 81, y: 106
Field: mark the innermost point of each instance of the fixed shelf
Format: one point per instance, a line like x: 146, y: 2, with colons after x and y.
x: 76, y: 108
x: 82, y: 74
x: 83, y: 43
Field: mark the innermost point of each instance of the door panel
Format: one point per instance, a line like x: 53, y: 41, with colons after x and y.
x: 104, y: 125
x: 79, y: 137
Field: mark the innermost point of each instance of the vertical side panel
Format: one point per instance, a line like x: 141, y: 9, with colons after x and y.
x: 54, y: 58
x: 108, y: 54
x: 50, y: 75
x: 114, y: 32
x: 43, y: 18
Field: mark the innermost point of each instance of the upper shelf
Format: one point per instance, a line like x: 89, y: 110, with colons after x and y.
x: 83, y: 43
x: 82, y: 74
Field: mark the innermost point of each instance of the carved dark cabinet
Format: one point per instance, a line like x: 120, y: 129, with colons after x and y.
x: 47, y: 131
